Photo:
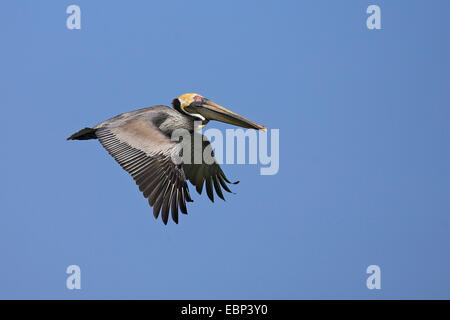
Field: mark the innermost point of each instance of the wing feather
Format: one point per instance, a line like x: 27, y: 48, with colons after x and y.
x: 208, y: 174
x: 145, y: 153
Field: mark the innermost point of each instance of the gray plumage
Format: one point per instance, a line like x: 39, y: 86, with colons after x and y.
x: 140, y: 141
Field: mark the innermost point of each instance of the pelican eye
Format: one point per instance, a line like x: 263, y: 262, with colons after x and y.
x: 198, y: 98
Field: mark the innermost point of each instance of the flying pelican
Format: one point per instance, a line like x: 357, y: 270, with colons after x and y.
x: 140, y: 141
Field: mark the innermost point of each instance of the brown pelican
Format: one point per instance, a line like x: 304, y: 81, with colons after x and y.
x: 140, y: 141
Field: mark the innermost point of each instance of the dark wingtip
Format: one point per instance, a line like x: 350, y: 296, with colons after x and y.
x: 199, y: 188
x: 84, y: 134
x: 156, y: 211
x: 236, y: 182
x: 164, y: 218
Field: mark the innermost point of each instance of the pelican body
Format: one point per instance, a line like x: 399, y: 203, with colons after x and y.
x: 140, y: 141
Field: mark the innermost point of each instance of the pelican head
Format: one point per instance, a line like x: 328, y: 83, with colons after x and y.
x: 205, y: 110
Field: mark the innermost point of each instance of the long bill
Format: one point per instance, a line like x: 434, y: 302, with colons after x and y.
x: 212, y: 111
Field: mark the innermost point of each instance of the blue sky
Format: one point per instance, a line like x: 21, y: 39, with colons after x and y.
x: 364, y: 149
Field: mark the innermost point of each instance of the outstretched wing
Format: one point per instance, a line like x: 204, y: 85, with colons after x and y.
x: 146, y: 154
x: 207, y: 172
